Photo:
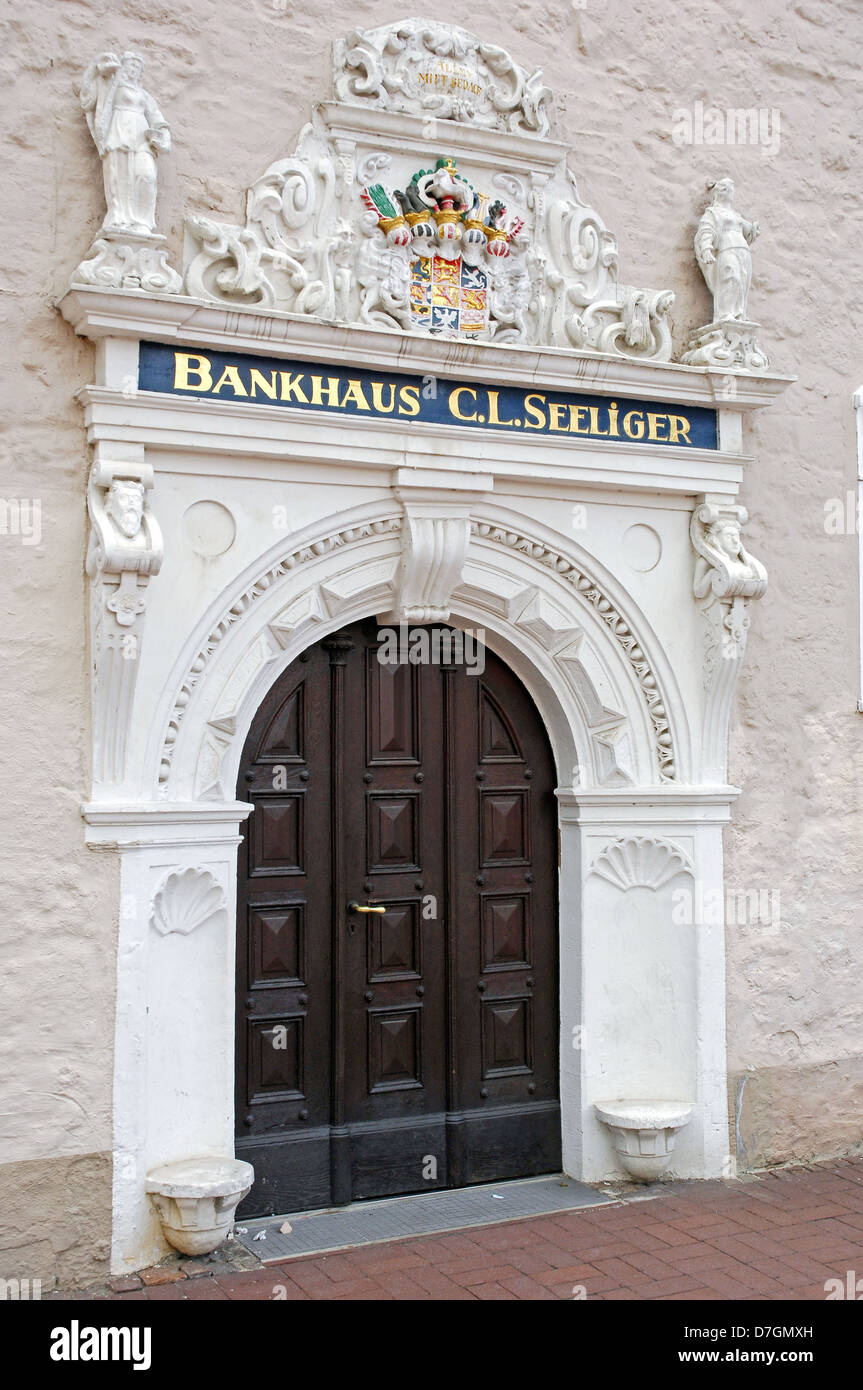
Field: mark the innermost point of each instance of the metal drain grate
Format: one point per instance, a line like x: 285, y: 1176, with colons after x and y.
x: 427, y: 1213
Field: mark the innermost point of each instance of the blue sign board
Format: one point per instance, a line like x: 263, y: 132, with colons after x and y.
x: 382, y: 395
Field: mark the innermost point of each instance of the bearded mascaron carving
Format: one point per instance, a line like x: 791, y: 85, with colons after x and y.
x: 726, y: 578
x: 402, y: 209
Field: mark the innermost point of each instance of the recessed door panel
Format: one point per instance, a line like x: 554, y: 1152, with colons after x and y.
x: 413, y: 1047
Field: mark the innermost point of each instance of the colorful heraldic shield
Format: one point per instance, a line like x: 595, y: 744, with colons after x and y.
x: 448, y: 295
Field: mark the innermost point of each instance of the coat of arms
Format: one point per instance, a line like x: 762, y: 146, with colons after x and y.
x: 446, y: 242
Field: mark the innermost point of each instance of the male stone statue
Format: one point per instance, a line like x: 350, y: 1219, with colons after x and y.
x: 129, y: 130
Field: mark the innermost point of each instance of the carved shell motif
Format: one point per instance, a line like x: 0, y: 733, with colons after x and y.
x: 639, y: 862
x: 186, y: 899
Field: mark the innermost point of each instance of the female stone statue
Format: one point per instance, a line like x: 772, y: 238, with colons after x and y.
x: 129, y: 130
x: 722, y: 250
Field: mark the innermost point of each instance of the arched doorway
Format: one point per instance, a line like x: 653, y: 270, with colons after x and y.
x: 382, y: 1052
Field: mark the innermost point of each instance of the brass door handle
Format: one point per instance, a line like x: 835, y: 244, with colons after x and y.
x: 364, y: 907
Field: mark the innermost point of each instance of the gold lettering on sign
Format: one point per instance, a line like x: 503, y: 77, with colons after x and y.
x: 199, y: 375
x: 258, y: 382
x: 230, y: 377
x: 185, y: 366
x: 409, y: 400
x: 455, y: 402
x: 678, y: 428
x: 535, y: 413
x: 291, y: 388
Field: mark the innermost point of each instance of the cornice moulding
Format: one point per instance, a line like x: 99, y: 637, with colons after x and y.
x: 174, y: 423
x: 146, y: 825
x: 514, y: 151
x: 669, y: 804
x: 95, y: 314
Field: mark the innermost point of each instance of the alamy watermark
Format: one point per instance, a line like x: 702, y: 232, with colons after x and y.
x: 842, y: 515
x: 432, y: 646
x: 20, y: 1290
x: 699, y: 906
x: 21, y: 516
x: 741, y: 125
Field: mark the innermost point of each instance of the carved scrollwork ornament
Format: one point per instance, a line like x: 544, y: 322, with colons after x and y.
x: 357, y: 227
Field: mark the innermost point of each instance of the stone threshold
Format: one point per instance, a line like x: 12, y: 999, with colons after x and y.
x: 419, y: 1214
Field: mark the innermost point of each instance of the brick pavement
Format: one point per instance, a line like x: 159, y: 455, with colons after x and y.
x: 777, y: 1235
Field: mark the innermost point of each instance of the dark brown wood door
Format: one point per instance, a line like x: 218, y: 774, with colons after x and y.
x: 414, y: 1048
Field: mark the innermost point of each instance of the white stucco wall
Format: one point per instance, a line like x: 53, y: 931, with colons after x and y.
x: 236, y: 86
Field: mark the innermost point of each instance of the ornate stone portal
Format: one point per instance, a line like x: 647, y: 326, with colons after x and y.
x: 410, y: 384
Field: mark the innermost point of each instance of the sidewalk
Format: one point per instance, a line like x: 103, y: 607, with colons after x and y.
x: 777, y: 1235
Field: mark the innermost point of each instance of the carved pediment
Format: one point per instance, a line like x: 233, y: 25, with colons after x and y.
x: 429, y: 197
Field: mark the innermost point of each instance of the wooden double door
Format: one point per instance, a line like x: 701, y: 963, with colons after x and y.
x: 414, y: 1048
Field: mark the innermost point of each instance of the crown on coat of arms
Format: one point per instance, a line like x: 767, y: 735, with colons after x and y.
x: 440, y: 205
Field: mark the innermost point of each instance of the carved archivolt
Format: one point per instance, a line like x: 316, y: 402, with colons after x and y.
x: 616, y: 624
x: 609, y: 726
x: 636, y: 861
x: 240, y: 607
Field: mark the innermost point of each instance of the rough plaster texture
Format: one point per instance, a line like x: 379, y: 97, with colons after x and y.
x: 55, y: 1220
x: 236, y: 84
